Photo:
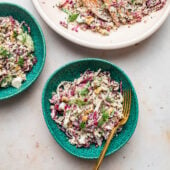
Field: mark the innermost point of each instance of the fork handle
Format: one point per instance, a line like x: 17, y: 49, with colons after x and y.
x: 102, y: 154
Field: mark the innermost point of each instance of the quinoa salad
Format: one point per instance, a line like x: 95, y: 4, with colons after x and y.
x: 102, y: 16
x: 16, y: 52
x: 88, y: 108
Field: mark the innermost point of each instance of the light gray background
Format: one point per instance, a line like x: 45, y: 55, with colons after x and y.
x: 26, y: 142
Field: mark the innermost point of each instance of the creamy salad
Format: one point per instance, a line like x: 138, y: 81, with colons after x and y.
x: 88, y: 108
x: 16, y: 52
x: 102, y: 16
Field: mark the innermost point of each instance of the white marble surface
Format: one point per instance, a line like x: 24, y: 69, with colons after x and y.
x: 26, y: 142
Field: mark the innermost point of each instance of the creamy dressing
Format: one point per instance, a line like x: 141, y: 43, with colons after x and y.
x: 102, y: 16
x: 16, y: 52
x: 87, y: 108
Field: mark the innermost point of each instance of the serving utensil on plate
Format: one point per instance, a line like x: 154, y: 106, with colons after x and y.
x: 126, y: 113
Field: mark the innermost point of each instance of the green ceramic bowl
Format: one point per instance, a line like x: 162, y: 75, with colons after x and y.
x: 68, y: 73
x: 20, y: 14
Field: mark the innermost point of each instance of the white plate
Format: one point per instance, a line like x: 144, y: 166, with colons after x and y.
x: 123, y: 37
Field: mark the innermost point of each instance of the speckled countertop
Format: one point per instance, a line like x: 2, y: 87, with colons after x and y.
x: 26, y: 142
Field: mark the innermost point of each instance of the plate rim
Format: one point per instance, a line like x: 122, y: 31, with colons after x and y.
x: 45, y: 114
x: 78, y: 41
x: 44, y: 47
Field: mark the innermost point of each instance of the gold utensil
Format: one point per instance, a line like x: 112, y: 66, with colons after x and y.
x: 126, y: 112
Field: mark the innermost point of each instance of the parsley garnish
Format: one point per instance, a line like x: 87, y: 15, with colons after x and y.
x: 82, y: 125
x: 103, y: 6
x: 24, y: 38
x: 101, y: 122
x: 104, y: 118
x: 72, y: 17
x: 84, y: 92
x: 108, y: 100
x: 15, y: 34
x: 6, y: 80
x: 21, y: 62
x: 100, y: 79
x: 4, y: 52
x: 110, y: 89
x: 78, y: 102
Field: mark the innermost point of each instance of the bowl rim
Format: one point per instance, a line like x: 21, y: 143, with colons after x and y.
x: 45, y: 114
x: 44, y: 48
x: 84, y: 43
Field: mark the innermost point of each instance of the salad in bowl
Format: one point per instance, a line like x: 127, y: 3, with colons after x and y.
x: 82, y: 101
x: 88, y: 108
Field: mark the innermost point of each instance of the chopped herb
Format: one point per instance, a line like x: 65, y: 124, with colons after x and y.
x: 88, y: 84
x: 108, y: 99
x: 84, y: 92
x: 4, y: 52
x: 22, y: 37
x: 100, y: 122
x: 81, y: 103
x: 15, y: 34
x: 21, y: 62
x: 78, y: 102
x: 82, y: 125
x: 103, y: 6
x: 72, y: 17
x: 110, y: 89
x: 6, y: 80
x: 132, y: 1
x: 105, y: 116
x: 99, y: 79
x: 3, y: 81
x: 103, y: 109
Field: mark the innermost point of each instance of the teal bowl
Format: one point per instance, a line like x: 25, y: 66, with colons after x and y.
x: 68, y: 73
x: 20, y: 14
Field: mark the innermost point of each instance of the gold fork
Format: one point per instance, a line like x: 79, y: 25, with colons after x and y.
x: 126, y: 112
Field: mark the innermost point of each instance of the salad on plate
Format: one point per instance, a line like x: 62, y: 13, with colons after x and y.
x: 102, y: 16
